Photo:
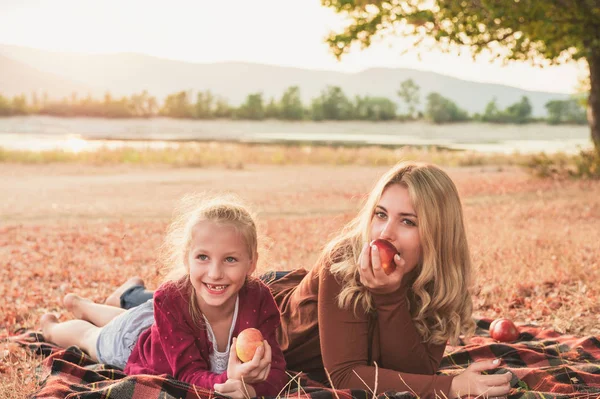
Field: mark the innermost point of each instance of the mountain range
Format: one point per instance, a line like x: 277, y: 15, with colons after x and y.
x: 25, y: 70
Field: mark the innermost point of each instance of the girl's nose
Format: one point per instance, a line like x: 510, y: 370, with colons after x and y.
x: 214, y: 271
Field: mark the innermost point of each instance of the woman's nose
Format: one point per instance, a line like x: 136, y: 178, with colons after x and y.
x: 387, y: 233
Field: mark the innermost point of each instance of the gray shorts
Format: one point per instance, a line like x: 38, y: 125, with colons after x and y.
x: 119, y: 336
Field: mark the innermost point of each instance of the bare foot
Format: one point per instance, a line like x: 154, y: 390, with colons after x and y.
x: 73, y: 304
x: 46, y: 323
x: 115, y: 298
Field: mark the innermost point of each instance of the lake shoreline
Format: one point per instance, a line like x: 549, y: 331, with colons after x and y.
x: 42, y: 133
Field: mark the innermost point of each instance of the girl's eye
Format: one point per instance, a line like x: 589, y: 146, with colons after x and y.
x: 230, y: 259
x: 202, y: 257
x: 408, y: 222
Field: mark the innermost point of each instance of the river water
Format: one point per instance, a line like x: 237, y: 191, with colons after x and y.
x: 39, y: 133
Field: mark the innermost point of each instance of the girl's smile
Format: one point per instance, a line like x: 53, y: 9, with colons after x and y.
x: 216, y: 289
x: 219, y: 261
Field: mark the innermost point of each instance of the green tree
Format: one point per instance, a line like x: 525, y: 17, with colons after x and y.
x: 5, y: 106
x: 440, y: 109
x: 316, y: 109
x: 151, y: 106
x: 204, y: 105
x: 222, y: 108
x: 178, y: 105
x: 272, y: 110
x: 565, y: 111
x: 519, y: 112
x: 536, y: 30
x: 139, y: 104
x: 291, y: 104
x: 253, y: 108
x: 409, y: 93
x: 333, y: 104
x: 35, y: 102
x: 19, y: 105
x: 374, y: 108
x: 492, y: 113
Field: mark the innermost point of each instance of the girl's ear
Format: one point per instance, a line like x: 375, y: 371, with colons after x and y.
x: 253, y: 265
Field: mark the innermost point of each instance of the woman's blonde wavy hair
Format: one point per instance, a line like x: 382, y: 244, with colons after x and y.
x: 439, y: 296
x: 227, y: 210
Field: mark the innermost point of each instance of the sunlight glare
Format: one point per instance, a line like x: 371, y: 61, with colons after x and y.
x: 75, y: 144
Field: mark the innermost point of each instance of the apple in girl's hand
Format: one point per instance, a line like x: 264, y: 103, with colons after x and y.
x: 247, y: 343
x: 504, y: 330
x: 386, y: 254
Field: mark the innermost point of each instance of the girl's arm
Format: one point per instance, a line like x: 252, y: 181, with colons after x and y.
x: 401, y: 344
x: 269, y: 321
x: 180, y: 344
x: 345, y: 350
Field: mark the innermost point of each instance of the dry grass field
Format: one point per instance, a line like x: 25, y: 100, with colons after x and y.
x: 83, y: 228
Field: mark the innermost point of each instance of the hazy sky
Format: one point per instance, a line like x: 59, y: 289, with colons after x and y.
x: 280, y: 32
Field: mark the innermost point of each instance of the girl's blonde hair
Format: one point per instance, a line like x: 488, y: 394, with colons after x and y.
x: 439, y: 298
x: 227, y: 210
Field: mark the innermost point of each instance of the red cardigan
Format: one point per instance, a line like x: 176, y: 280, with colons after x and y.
x: 176, y: 346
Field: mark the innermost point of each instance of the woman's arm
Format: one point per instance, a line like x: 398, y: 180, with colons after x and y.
x: 389, y: 293
x: 395, y: 326
x: 345, y: 349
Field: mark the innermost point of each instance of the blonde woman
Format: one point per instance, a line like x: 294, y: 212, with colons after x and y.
x: 347, y: 318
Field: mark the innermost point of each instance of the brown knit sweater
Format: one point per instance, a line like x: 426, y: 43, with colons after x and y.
x: 316, y: 334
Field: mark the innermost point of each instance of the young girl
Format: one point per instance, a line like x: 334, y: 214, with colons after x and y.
x: 347, y: 317
x: 187, y: 329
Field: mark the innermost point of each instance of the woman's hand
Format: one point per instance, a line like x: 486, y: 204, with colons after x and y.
x: 472, y: 382
x: 372, y: 275
x: 256, y: 370
x: 235, y: 389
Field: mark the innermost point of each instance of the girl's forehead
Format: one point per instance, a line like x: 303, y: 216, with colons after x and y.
x: 209, y: 229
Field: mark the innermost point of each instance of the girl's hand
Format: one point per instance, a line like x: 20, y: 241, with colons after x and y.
x: 372, y: 275
x: 235, y: 389
x: 472, y: 382
x: 254, y: 371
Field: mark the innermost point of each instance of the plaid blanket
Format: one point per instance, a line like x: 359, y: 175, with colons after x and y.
x: 544, y: 364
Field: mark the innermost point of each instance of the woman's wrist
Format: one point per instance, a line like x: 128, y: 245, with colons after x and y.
x: 455, y: 388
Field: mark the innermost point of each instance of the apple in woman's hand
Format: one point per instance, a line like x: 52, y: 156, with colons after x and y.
x: 386, y: 254
x: 504, y: 330
x: 247, y: 343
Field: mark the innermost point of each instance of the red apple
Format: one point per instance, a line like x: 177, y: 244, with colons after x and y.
x: 504, y: 330
x: 247, y: 343
x: 386, y: 254
x: 492, y: 324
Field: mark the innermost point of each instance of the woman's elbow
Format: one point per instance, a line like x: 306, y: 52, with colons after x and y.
x: 343, y: 378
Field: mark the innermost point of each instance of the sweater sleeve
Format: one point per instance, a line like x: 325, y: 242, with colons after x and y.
x: 394, y: 320
x: 178, y: 341
x: 270, y: 320
x: 344, y: 347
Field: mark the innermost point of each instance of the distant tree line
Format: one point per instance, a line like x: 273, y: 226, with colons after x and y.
x: 331, y: 104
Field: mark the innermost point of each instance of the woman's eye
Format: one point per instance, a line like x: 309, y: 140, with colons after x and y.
x: 202, y: 257
x: 380, y: 215
x: 409, y: 222
x: 230, y: 259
